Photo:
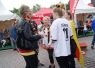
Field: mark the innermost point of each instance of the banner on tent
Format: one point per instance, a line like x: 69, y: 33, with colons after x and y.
x: 73, y: 4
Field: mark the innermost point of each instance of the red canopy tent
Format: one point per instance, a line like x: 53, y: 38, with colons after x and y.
x: 37, y: 19
x: 44, y: 12
x: 38, y: 16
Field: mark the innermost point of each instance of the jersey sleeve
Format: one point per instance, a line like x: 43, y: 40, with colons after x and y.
x: 54, y: 30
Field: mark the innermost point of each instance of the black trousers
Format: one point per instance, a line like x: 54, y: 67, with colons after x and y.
x: 71, y: 61
x: 63, y: 61
x: 31, y: 61
x: 50, y: 53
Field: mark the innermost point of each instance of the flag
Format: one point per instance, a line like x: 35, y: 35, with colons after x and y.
x: 73, y: 4
x: 79, y: 55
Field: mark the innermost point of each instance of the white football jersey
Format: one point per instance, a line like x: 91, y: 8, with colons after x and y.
x: 60, y: 30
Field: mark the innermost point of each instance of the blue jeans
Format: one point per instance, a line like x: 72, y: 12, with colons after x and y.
x: 93, y: 41
x: 84, y: 32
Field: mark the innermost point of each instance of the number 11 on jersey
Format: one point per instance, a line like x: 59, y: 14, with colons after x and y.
x: 65, y: 30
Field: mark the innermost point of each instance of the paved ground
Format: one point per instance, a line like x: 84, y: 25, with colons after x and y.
x: 11, y: 59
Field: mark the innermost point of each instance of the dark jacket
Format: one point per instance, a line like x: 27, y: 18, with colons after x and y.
x: 30, y: 38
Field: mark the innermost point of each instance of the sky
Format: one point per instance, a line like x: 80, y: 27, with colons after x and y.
x: 10, y: 4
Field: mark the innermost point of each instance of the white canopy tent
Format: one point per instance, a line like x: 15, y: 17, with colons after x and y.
x: 83, y: 8
x: 6, y: 14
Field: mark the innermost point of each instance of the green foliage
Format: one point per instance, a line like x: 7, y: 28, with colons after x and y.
x: 36, y: 8
x: 52, y: 6
x: 15, y: 10
x: 67, y: 6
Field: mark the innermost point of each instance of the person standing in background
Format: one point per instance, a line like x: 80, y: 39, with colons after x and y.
x: 72, y: 24
x: 46, y: 40
x: 1, y: 35
x: 85, y: 29
x: 13, y: 34
x: 93, y: 28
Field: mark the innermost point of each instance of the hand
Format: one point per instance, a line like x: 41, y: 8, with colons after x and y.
x: 44, y: 46
x: 42, y: 36
x: 38, y: 37
x: 50, y: 47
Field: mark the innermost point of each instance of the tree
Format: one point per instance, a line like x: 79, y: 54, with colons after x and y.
x: 68, y: 6
x: 15, y: 10
x: 36, y: 8
x: 52, y: 6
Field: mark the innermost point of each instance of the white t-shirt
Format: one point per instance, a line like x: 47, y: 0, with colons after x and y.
x: 45, y: 34
x: 60, y: 30
x: 85, y: 28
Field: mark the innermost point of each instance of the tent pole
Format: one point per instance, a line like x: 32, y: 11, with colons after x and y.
x: 75, y: 19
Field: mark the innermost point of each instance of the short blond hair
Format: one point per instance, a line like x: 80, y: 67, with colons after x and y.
x: 59, y: 11
x: 24, y: 9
